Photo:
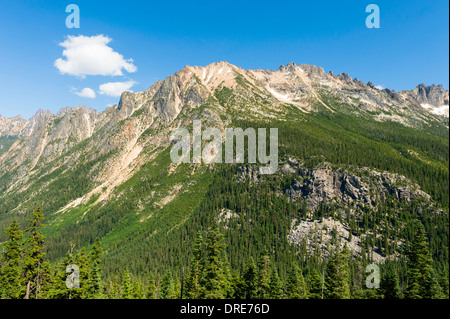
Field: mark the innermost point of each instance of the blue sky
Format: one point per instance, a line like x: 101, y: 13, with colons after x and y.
x: 161, y: 37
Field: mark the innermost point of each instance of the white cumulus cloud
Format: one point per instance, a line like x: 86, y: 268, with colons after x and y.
x: 86, y: 92
x: 115, y: 88
x: 379, y: 87
x: 86, y: 55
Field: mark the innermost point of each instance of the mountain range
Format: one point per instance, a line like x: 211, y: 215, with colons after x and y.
x: 345, y: 146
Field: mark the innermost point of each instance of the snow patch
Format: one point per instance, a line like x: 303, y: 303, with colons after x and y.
x: 439, y: 110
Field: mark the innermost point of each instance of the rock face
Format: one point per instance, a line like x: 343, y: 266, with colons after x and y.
x: 323, y: 185
x: 15, y: 126
x: 324, y: 237
x: 434, y: 95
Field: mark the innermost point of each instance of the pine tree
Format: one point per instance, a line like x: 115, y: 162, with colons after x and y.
x: 138, y: 293
x: 295, y: 285
x: 213, y: 283
x: 250, y: 281
x: 195, y: 271
x: 445, y: 285
x: 338, y: 275
x: 275, y: 286
x: 237, y: 287
x: 390, y: 286
x: 127, y: 288
x: 419, y: 266
x: 315, y: 285
x: 168, y: 287
x: 57, y: 285
x: 82, y: 261
x: 95, y: 286
x: 264, y: 275
x: 115, y: 288
x: 10, y: 273
x: 151, y: 287
x: 34, y: 255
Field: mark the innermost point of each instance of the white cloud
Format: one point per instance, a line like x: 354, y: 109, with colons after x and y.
x: 86, y: 92
x: 115, y: 88
x: 91, y: 56
x: 379, y: 87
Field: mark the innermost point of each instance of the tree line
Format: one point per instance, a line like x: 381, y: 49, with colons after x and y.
x: 26, y: 274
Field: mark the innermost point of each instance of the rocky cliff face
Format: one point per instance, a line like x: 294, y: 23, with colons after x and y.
x: 325, y: 185
x: 15, y: 126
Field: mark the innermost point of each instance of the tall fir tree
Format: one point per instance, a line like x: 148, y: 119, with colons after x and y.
x: 168, y: 286
x: 315, y: 285
x: 338, y: 275
x: 264, y: 272
x: 213, y: 283
x: 34, y: 255
x: 295, y: 285
x: 94, y: 283
x: 127, y: 288
x: 390, y: 285
x: 250, y: 281
x: 276, y: 290
x: 11, y: 283
x: 151, y: 287
x: 420, y: 271
x: 195, y: 271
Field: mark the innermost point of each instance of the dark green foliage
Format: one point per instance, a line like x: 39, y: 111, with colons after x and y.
x: 338, y: 275
x: 276, y: 290
x: 11, y: 286
x: 214, y: 277
x: 34, y: 255
x: 295, y: 283
x: 250, y: 281
x: 420, y: 269
x: 316, y: 286
x: 390, y: 285
x: 168, y: 286
x: 264, y: 270
x: 94, y: 282
x: 195, y: 270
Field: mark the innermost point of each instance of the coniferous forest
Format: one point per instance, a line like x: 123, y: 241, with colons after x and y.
x: 25, y: 273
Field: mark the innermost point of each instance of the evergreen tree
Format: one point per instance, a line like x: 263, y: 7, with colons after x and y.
x: 264, y: 275
x: 34, y: 255
x: 250, y: 281
x: 195, y: 270
x: 213, y: 285
x: 57, y: 286
x: 295, y: 285
x: 10, y: 274
x: 419, y: 265
x: 138, y: 293
x: 82, y: 261
x: 127, y: 288
x: 168, y: 286
x: 151, y: 287
x: 315, y: 285
x: 115, y: 288
x: 275, y: 286
x: 95, y: 286
x: 390, y: 286
x: 338, y: 275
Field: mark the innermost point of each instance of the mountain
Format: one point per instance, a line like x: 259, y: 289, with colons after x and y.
x: 348, y: 151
